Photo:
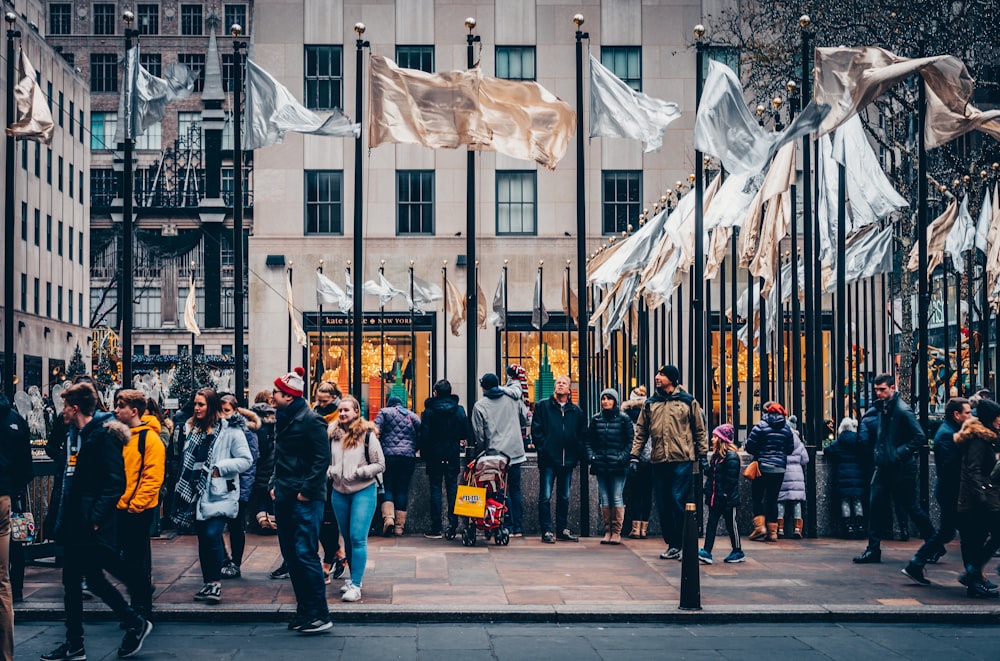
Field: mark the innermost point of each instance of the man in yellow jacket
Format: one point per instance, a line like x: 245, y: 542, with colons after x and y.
x: 144, y: 457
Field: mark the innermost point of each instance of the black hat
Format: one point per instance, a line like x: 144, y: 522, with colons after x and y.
x: 489, y: 380
x: 671, y: 372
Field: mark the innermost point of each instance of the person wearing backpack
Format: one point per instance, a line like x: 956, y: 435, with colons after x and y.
x: 398, y: 427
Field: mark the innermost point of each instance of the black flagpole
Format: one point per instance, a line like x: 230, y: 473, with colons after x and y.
x: 239, y: 350
x: 125, y: 288
x: 9, y: 368
x: 702, y: 362
x: 583, y: 322
x: 446, y: 326
x: 472, y: 301
x: 359, y: 271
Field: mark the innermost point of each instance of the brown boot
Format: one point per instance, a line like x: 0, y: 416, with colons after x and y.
x: 797, y: 533
x: 617, y: 519
x: 636, y: 530
x: 772, y: 532
x: 781, y: 527
x: 606, y: 515
x: 643, y: 529
x: 388, y: 518
x: 759, y: 532
x: 400, y: 522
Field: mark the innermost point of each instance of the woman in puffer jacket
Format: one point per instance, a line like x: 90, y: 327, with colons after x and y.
x: 247, y: 421
x: 769, y: 442
x: 792, y: 494
x: 398, y: 428
x: 979, y: 497
x: 608, y: 443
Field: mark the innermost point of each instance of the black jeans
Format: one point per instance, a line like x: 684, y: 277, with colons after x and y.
x: 980, y: 533
x: 899, y: 484
x: 764, y: 495
x: 948, y: 504
x: 238, y: 533
x: 438, y: 474
x: 90, y: 561
x: 136, y: 566
x: 672, y: 489
x: 639, y: 493
x: 727, y: 513
x: 329, y: 532
x: 398, y: 473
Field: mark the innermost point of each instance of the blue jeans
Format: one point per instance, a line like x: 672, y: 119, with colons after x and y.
x: 609, y: 490
x: 448, y: 474
x: 672, y: 490
x: 398, y: 473
x: 515, y: 501
x: 298, y: 538
x: 562, y: 477
x: 354, y: 513
x: 211, y: 548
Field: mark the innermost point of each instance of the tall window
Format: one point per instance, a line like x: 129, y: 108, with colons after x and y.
x: 415, y: 202
x: 72, y: 107
x: 727, y: 55
x: 81, y: 127
x: 227, y: 72
x: 69, y: 235
x: 148, y: 19
x: 152, y: 62
x: 625, y: 62
x: 48, y: 300
x: 191, y: 23
x: 516, y: 208
x: 79, y: 309
x: 416, y: 57
x: 79, y: 235
x: 37, y: 308
x: 324, y: 77
x: 103, y: 187
x: 324, y: 202
x: 59, y: 174
x: 59, y: 302
x: 236, y: 14
x: 103, y: 72
x: 150, y: 138
x: 59, y: 238
x: 516, y: 62
x: 24, y: 221
x: 104, y: 18
x: 147, y: 309
x: 48, y: 232
x: 60, y: 18
x: 38, y: 159
x: 69, y: 307
x: 24, y: 155
x: 71, y: 181
x: 48, y: 166
x: 189, y: 133
x: 621, y: 199
x: 102, y: 130
x: 62, y: 99
x: 38, y: 226
x: 24, y: 292
x: 195, y: 62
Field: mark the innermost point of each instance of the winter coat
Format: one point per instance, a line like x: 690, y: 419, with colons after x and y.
x: 248, y: 421
x: 230, y: 455
x: 722, y: 480
x: 977, y: 492
x: 608, y: 442
x: 301, y: 454
x: 497, y: 419
x: 557, y: 432
x: 15, y: 450
x: 398, y: 427
x: 93, y: 482
x: 851, y: 460
x: 793, y: 486
x: 328, y: 412
x: 632, y: 408
x: 900, y: 436
x: 350, y: 470
x: 143, y: 472
x: 948, y: 461
x: 675, y: 425
x: 265, y: 443
x: 770, y: 442
x: 443, y: 427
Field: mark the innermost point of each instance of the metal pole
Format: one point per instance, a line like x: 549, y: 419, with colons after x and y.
x: 238, y: 286
x: 381, y: 340
x: 944, y: 328
x: 581, y: 274
x: 413, y: 348
x: 569, y: 337
x: 923, y: 297
x: 472, y: 300
x: 723, y: 377
x: 506, y: 330
x: 444, y: 286
x: 702, y: 363
x: 288, y: 356
x: 733, y: 343
x: 359, y: 266
x: 125, y: 288
x: 319, y: 328
x: 8, y: 220
x: 840, y: 353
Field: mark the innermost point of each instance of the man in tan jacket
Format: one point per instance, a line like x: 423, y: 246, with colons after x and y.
x: 673, y: 420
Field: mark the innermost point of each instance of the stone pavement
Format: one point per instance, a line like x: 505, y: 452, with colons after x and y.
x: 416, y: 579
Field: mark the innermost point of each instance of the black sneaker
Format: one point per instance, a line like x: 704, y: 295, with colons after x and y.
x: 132, y: 641
x: 869, y: 557
x: 210, y: 592
x: 979, y: 591
x: 434, y: 534
x: 915, y: 573
x: 297, y: 622
x: 66, y: 652
x: 567, y: 536
x: 231, y: 570
x: 339, y: 567
x: 549, y: 538
x: 318, y: 625
x: 280, y: 572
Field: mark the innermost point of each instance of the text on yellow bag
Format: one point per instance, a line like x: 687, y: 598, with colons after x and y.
x: 470, y: 501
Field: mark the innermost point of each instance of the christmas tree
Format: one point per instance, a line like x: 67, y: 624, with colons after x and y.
x: 184, y: 384
x: 76, y: 365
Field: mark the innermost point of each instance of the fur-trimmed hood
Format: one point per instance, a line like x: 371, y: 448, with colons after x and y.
x: 973, y: 429
x: 253, y: 420
x: 118, y: 431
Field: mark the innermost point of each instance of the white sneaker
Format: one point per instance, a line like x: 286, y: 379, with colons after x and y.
x: 346, y: 586
x: 353, y: 594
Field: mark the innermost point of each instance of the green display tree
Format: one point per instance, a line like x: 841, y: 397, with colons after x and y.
x: 76, y: 365
x: 545, y: 384
x: 185, y: 384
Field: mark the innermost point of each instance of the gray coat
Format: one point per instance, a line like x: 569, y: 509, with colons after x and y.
x: 793, y: 487
x: 497, y: 419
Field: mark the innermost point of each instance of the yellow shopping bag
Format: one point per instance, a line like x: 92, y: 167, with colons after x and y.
x: 470, y: 501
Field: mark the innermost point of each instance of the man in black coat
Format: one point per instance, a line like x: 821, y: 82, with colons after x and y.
x: 897, y: 443
x: 557, y: 430
x: 444, y: 430
x: 92, y: 483
x: 15, y: 473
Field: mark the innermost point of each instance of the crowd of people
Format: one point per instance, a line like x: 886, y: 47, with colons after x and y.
x: 318, y: 474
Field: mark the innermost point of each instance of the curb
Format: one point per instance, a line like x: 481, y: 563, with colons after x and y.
x: 663, y: 614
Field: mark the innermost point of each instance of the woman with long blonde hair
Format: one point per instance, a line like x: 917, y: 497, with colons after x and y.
x: 356, y: 460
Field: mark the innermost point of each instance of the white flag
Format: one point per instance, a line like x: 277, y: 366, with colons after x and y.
x: 32, y: 118
x: 962, y: 236
x: 191, y: 310
x: 300, y: 335
x: 499, y: 315
x: 423, y: 293
x: 983, y: 224
x: 144, y: 97
x: 329, y: 293
x: 271, y: 110
x: 618, y: 111
x: 456, y: 305
x: 383, y: 289
x: 539, y: 315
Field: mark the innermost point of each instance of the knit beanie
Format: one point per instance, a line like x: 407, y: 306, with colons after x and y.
x: 611, y: 392
x: 726, y: 432
x: 291, y: 383
x: 671, y: 372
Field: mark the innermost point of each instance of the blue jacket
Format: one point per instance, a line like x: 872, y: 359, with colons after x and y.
x: 770, y: 442
x: 948, y: 461
x: 851, y: 460
x: 398, y: 427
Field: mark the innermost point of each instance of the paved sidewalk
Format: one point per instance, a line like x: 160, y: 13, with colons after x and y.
x: 416, y: 579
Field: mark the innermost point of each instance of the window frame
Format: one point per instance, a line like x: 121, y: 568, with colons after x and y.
x: 505, y: 52
x: 315, y: 83
x: 632, y: 207
x: 336, y: 217
x: 105, y: 17
x: 189, y: 13
x: 502, y: 174
x: 410, y: 205
x: 405, y: 53
x: 144, y: 8
x: 609, y: 55
x: 60, y: 25
x: 99, y: 139
x: 103, y: 72
x: 196, y: 63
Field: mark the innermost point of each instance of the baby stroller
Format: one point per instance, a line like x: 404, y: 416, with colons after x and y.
x: 489, y: 471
